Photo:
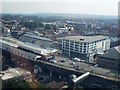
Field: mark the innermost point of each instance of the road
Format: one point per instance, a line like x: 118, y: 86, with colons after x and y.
x: 84, y: 67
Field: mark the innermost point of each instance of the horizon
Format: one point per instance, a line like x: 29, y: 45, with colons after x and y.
x: 89, y: 8
x: 60, y: 14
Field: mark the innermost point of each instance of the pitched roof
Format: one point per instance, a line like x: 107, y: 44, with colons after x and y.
x: 113, y: 53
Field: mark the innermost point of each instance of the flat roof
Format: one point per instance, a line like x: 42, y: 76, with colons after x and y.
x: 13, y: 72
x: 38, y: 37
x: 84, y: 38
x: 5, y: 40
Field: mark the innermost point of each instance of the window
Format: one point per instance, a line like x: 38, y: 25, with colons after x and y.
x: 67, y: 41
x: 76, y: 44
x: 77, y: 50
x: 67, y: 48
x: 80, y: 50
x: 81, y: 44
x: 84, y: 51
x: 66, y: 45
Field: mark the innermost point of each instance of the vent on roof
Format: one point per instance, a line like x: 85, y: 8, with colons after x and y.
x: 81, y: 39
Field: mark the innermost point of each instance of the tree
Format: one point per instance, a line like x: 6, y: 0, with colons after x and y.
x: 15, y: 84
x: 32, y: 25
x: 48, y: 27
x: 54, y: 28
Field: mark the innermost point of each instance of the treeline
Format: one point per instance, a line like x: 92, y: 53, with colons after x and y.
x: 35, y: 24
x: 21, y: 84
x: 31, y: 22
x: 31, y: 25
x: 24, y: 17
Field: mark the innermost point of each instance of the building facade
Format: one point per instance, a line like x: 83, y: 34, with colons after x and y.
x: 110, y: 59
x: 84, y: 47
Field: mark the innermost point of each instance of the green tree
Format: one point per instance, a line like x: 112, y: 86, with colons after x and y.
x: 48, y: 27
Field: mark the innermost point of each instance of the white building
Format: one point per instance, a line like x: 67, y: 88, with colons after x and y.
x: 84, y: 47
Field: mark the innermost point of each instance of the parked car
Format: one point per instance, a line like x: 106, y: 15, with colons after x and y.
x: 63, y: 61
x: 72, y: 63
x: 96, y: 65
x: 53, y: 61
x: 76, y: 59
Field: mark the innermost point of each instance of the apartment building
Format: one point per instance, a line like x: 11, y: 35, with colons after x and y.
x: 84, y: 47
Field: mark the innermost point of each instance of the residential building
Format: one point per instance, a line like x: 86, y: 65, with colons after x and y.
x: 84, y: 47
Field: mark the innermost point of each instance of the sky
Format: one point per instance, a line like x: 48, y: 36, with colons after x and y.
x: 95, y: 7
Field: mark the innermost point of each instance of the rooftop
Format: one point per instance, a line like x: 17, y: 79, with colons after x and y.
x: 38, y: 37
x: 15, y: 43
x: 13, y: 72
x: 84, y: 38
x: 113, y: 53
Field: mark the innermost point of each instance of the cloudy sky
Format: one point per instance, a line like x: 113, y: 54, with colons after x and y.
x: 97, y: 7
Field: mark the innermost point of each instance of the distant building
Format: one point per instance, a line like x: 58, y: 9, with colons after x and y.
x: 84, y: 47
x: 110, y: 59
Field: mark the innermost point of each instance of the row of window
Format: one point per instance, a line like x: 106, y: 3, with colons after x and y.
x: 72, y: 44
x: 18, y: 53
x: 91, y: 46
x: 77, y: 50
x: 84, y: 48
x: 108, y: 62
x: 82, y: 44
x: 26, y: 50
x: 75, y: 46
x: 77, y: 43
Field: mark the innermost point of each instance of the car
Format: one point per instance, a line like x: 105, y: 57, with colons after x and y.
x: 76, y: 59
x: 78, y: 69
x: 53, y: 61
x: 96, y: 65
x: 96, y: 86
x: 72, y: 63
x: 76, y: 66
x: 82, y: 60
x: 63, y: 61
